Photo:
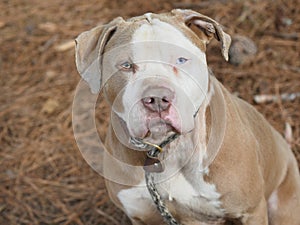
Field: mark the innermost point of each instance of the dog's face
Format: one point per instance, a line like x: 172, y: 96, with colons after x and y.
x: 152, y: 69
x: 164, y: 79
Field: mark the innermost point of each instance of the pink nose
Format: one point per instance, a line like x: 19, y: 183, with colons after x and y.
x: 157, y: 98
x: 156, y: 104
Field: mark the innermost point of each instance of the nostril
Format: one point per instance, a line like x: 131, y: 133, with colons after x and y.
x: 165, y: 99
x: 149, y: 100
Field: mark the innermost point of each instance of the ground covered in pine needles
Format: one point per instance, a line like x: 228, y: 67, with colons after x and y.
x: 44, y: 178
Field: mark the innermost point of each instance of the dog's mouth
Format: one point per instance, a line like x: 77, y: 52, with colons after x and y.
x: 158, y: 130
x: 160, y: 133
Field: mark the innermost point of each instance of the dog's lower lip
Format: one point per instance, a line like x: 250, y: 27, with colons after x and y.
x: 159, y: 126
x: 157, y: 138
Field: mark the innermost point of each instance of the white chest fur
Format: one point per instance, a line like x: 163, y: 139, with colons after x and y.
x: 202, y: 197
x: 200, y: 200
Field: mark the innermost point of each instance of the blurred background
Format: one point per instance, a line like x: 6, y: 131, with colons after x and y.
x: 43, y: 177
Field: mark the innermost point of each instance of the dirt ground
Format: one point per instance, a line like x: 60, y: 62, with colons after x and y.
x: 43, y: 177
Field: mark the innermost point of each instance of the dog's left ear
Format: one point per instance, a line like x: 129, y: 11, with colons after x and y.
x: 208, y: 26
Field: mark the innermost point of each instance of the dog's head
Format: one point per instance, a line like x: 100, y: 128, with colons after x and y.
x: 152, y: 68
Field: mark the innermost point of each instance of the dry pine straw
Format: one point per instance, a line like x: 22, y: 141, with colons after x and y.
x: 44, y: 179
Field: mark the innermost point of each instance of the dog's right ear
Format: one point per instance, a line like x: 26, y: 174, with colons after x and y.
x: 89, y: 49
x: 208, y: 26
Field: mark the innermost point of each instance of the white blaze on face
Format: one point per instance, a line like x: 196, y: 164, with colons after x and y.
x: 158, y: 49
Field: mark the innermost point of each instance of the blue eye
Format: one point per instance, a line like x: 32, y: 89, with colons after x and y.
x: 181, y: 60
x: 127, y: 66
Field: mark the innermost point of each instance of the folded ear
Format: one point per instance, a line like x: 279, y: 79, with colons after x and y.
x: 89, y: 49
x: 210, y: 28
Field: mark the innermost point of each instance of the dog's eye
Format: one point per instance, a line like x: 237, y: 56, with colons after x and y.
x: 126, y: 66
x: 181, y: 60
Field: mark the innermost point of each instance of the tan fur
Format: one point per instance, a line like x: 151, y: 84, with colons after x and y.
x: 261, y: 157
x: 253, y: 162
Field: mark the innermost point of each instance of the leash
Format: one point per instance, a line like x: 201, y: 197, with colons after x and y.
x: 160, y: 205
x: 153, y: 165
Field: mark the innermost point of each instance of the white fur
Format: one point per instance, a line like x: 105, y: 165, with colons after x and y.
x: 180, y: 189
x: 136, y: 201
x: 273, y: 201
x: 157, y: 46
x: 148, y: 17
x: 203, y: 199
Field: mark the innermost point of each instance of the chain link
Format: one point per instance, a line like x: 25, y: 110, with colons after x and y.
x: 160, y: 205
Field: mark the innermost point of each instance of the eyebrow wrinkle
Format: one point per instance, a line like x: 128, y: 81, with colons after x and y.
x: 134, y: 67
x: 175, y: 70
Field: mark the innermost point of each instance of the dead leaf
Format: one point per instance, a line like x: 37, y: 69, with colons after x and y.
x: 288, y: 133
x: 2, y: 24
x: 67, y: 45
x: 50, y: 106
x: 50, y: 74
x: 48, y: 27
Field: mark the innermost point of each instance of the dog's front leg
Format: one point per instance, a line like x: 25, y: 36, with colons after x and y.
x: 257, y: 216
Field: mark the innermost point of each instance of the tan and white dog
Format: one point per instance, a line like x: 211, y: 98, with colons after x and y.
x: 228, y: 165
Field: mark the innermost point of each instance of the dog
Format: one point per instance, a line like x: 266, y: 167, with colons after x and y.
x: 227, y: 165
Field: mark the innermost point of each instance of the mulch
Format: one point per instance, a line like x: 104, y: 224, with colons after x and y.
x: 44, y: 178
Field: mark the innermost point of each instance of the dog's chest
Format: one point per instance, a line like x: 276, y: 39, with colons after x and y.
x: 200, y: 198
x: 179, y: 194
